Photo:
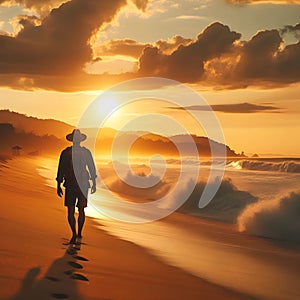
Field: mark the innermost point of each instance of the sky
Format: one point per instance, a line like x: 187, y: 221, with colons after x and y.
x: 241, y: 56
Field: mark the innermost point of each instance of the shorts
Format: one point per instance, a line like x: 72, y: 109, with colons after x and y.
x: 71, y: 195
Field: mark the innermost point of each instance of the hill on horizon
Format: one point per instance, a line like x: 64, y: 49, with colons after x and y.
x: 40, y: 127
x: 35, y: 132
x: 21, y: 142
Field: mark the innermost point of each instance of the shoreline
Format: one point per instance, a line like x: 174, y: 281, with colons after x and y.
x: 178, y: 241
x: 35, y: 264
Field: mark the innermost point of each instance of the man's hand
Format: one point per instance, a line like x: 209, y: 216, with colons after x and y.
x: 59, y: 190
x: 93, y: 188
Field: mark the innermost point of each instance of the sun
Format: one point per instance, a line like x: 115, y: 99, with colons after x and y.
x: 108, y: 106
x: 109, y: 109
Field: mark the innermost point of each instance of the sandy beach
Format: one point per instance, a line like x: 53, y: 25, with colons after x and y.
x: 179, y: 119
x: 35, y: 262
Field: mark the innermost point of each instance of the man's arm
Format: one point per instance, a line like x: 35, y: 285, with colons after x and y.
x: 60, y: 174
x: 94, y: 186
x: 59, y: 190
x: 92, y: 170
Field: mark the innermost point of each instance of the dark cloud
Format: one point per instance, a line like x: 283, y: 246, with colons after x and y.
x: 234, y: 108
x: 28, y: 21
x: 63, y: 83
x: 52, y: 52
x: 121, y: 47
x: 294, y: 30
x: 258, y: 55
x: 60, y: 44
x: 186, y: 64
x: 141, y: 4
x: 172, y: 44
x: 135, y: 49
x: 261, y: 61
x: 219, y: 58
x: 288, y: 64
x: 262, y: 58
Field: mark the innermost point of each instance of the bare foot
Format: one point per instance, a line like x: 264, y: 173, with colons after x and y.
x: 73, y: 240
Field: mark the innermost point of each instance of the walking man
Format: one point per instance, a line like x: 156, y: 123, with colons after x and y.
x: 75, y: 170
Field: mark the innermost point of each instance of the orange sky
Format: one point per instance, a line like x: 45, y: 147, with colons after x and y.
x: 56, y: 57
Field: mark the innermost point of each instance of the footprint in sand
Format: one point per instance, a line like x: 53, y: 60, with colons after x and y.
x: 69, y: 272
x: 72, y: 251
x: 80, y: 258
x: 75, y: 265
x: 78, y: 276
x: 52, y: 278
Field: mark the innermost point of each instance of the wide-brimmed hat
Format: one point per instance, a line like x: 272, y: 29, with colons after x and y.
x: 76, y: 136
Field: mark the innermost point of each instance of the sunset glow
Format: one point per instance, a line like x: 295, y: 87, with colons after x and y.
x: 250, y: 77
x: 149, y: 149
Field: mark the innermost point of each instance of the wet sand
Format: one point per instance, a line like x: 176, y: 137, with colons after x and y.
x: 35, y: 263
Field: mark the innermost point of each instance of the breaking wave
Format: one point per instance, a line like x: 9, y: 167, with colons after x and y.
x: 283, y: 166
x: 277, y: 219
x: 226, y: 206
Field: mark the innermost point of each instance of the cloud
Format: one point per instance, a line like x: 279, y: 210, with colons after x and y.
x: 60, y: 45
x: 53, y: 52
x: 63, y: 83
x: 121, y: 47
x: 170, y: 45
x: 44, y: 6
x: 40, y: 6
x: 234, y: 108
x: 258, y: 55
x: 190, y: 17
x: 141, y: 4
x: 244, y: 108
x: 263, y: 1
x: 295, y: 30
x: 186, y: 64
x: 135, y: 49
x: 262, y: 58
x: 261, y: 61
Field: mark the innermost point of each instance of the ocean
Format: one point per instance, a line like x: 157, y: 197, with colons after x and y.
x: 247, y: 238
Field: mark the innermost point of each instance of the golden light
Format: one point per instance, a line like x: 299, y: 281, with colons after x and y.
x: 108, y: 106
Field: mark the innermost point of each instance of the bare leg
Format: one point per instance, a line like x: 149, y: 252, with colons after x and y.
x: 72, y: 222
x: 81, y: 219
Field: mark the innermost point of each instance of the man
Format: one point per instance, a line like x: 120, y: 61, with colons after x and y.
x: 75, y: 169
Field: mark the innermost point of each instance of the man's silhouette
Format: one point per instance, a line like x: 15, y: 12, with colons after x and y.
x: 76, y: 168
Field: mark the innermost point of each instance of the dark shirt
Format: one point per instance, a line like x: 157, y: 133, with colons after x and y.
x: 76, y: 167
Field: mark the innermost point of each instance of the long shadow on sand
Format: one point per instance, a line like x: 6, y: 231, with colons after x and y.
x: 59, y: 282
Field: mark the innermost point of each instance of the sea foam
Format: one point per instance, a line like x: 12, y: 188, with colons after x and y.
x: 277, y: 219
x: 288, y: 166
x: 226, y: 205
